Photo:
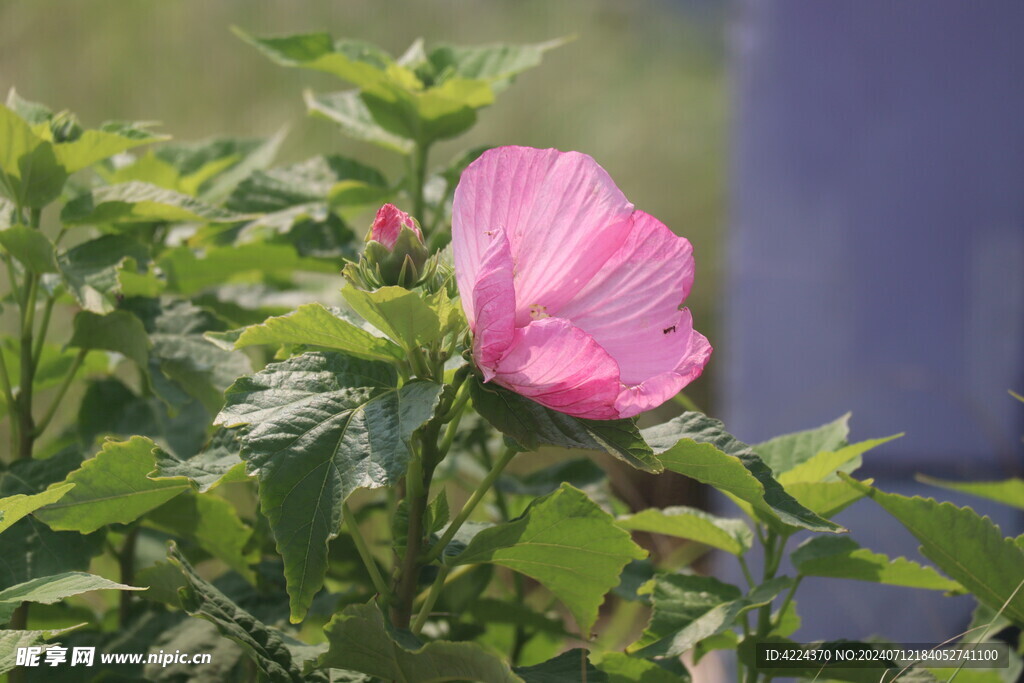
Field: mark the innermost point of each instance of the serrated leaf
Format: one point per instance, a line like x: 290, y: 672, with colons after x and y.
x: 217, y: 463
x: 13, y: 508
x: 401, y: 314
x: 322, y: 425
x: 265, y: 646
x: 138, y: 202
x: 688, y: 609
x: 50, y: 589
x: 824, y: 465
x: 91, y: 270
x: 566, y: 542
x: 532, y: 425
x: 621, y: 668
x: 497, y: 64
x: 789, y: 450
x: 111, y: 488
x: 349, y: 111
x: 310, y: 181
x: 118, y: 331
x: 314, y: 325
x: 212, y: 523
x: 1008, y: 491
x: 826, y: 498
x: 96, y: 145
x: 361, y: 640
x: 840, y: 557
x: 730, y: 535
x: 699, y: 447
x: 31, y: 247
x: 30, y: 173
x: 968, y: 547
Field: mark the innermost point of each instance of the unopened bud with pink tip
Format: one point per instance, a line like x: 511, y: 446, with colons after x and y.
x: 395, y: 252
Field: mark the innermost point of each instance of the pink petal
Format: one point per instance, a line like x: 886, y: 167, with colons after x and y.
x: 560, y: 366
x: 563, y: 215
x: 654, y: 391
x: 632, y: 306
x: 494, y: 306
x: 388, y: 224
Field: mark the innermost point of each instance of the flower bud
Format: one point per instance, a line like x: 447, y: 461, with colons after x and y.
x: 395, y: 247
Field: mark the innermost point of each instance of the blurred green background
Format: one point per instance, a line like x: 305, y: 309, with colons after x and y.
x: 641, y: 87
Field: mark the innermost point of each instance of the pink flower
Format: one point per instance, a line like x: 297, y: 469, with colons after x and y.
x: 387, y: 226
x: 574, y: 298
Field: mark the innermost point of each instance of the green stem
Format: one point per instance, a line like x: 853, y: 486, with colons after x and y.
x: 45, y: 422
x: 746, y: 572
x: 26, y: 429
x: 470, y: 505
x: 126, y: 563
x: 364, y: 553
x: 428, y: 605
x: 44, y: 326
x: 686, y: 402
x: 409, y: 568
x: 788, y: 599
x: 11, y: 279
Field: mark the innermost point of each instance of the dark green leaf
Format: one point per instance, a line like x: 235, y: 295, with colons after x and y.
x: 965, y: 545
x: 622, y: 668
x: 361, y: 640
x: 111, y: 488
x: 567, y: 667
x: 580, y: 472
x: 138, y: 202
x: 39, y: 551
x: 688, y: 609
x: 265, y: 646
x: 91, y: 270
x: 218, y: 462
x: 699, y: 447
x: 567, y: 543
x: 50, y: 589
x: 118, y: 331
x: 31, y: 247
x: 322, y: 425
x: 311, y: 181
x: 840, y: 557
x: 532, y: 425
x: 194, y: 160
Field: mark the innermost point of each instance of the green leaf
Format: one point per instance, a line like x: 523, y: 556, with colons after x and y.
x: 30, y: 173
x: 118, y: 331
x: 566, y: 542
x: 111, y: 488
x: 621, y: 668
x: 96, y: 145
x: 50, y: 589
x: 401, y: 314
x: 212, y: 523
x: 786, y: 452
x: 699, y: 447
x: 349, y: 111
x: 361, y: 640
x: 31, y: 247
x: 689, y: 608
x: 731, y: 535
x: 91, y: 270
x: 189, y: 272
x: 826, y: 498
x: 532, y: 425
x: 322, y: 425
x: 968, y: 547
x: 314, y: 325
x: 580, y: 472
x: 566, y: 667
x: 265, y: 646
x: 138, y: 202
x: 13, y: 508
x: 497, y: 64
x: 13, y: 640
x: 840, y: 557
x: 217, y: 463
x: 39, y: 551
x: 824, y: 465
x: 311, y: 181
x: 1008, y: 491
